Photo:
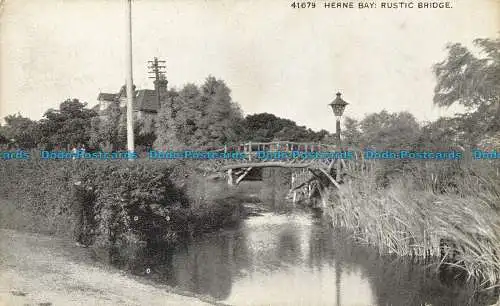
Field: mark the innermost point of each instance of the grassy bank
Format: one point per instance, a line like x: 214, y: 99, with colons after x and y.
x: 428, y: 211
x: 114, y: 205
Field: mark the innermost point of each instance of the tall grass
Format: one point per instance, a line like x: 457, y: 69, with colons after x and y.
x: 426, y: 211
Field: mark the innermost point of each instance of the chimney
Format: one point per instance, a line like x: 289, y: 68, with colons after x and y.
x: 161, y: 86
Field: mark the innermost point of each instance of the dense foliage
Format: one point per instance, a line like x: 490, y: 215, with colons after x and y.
x: 20, y: 131
x: 111, y: 204
x: 67, y: 126
x: 385, y: 130
x: 473, y: 82
x: 198, y: 116
x: 267, y: 127
x: 109, y: 131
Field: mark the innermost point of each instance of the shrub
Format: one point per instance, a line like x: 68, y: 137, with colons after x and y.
x: 113, y: 204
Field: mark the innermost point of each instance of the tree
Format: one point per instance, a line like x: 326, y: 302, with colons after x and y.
x: 195, y: 116
x: 396, y: 130
x: 144, y: 132
x: 187, y: 111
x: 21, y: 131
x: 319, y: 136
x: 351, y: 132
x: 266, y: 127
x: 220, y: 113
x: 3, y: 138
x: 166, y: 126
x: 474, y: 82
x: 442, y: 132
x: 68, y: 126
x: 106, y: 130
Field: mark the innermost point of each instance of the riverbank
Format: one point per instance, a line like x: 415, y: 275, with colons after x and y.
x: 448, y: 213
x: 42, y: 270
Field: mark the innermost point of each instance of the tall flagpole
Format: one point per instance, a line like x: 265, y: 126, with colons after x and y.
x: 130, y: 83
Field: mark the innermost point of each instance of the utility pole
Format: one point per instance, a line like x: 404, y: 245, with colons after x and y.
x: 130, y: 83
x: 157, y: 69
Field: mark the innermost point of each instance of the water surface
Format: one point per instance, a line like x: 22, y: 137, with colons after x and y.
x: 290, y: 257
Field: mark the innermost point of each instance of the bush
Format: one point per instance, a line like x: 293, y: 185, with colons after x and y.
x: 113, y: 204
x: 38, y: 196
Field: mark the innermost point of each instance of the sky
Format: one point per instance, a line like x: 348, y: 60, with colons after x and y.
x: 276, y: 59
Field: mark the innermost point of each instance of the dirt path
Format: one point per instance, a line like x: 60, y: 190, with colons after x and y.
x: 41, y: 270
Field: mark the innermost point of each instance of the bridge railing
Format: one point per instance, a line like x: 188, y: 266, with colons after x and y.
x: 253, y: 152
x: 251, y: 148
x: 285, y: 146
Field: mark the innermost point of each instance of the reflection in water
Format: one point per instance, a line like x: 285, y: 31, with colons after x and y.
x: 205, y: 266
x: 294, y: 259
x: 338, y: 275
x: 281, y: 247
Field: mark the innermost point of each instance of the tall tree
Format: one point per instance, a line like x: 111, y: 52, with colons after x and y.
x: 187, y: 111
x: 195, y: 116
x: 220, y: 112
x: 474, y: 82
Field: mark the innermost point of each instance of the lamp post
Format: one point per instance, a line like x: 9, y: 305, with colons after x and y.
x: 338, y: 106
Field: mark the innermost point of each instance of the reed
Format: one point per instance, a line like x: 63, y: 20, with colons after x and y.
x: 428, y: 212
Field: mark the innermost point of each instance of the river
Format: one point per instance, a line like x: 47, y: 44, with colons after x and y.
x: 289, y: 256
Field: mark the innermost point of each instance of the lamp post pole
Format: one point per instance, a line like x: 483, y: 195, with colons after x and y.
x: 339, y: 144
x: 337, y: 132
x: 130, y: 83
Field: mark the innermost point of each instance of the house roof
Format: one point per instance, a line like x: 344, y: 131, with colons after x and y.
x: 145, y: 99
x: 96, y: 108
x: 106, y: 96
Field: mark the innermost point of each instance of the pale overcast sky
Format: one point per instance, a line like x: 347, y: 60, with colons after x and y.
x: 276, y: 59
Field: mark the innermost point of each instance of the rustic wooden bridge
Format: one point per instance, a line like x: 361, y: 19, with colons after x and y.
x: 315, y: 167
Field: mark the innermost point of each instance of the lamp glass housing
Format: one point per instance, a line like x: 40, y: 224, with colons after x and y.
x: 338, y: 105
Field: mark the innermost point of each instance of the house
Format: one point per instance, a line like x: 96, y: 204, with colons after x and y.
x: 146, y: 104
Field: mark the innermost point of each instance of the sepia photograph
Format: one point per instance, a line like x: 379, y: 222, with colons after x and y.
x: 250, y: 152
